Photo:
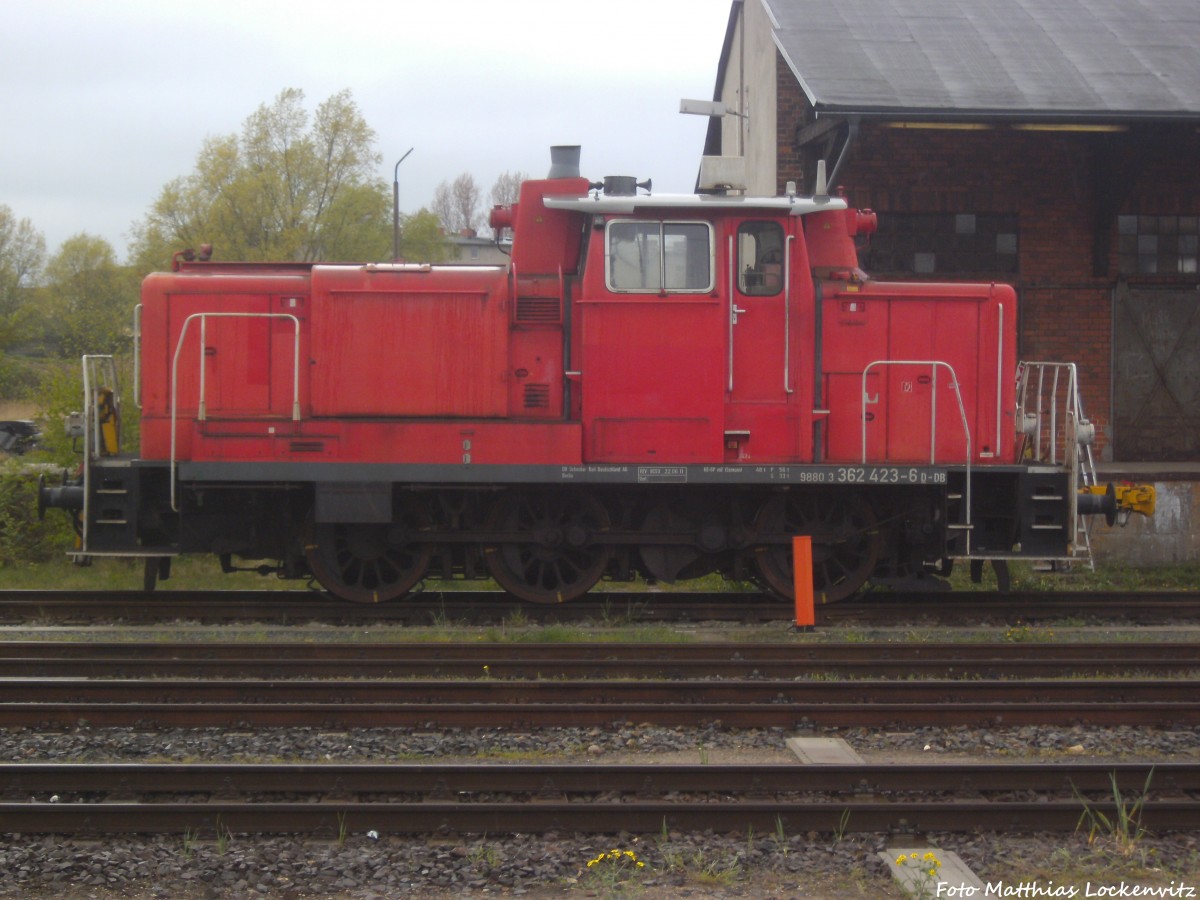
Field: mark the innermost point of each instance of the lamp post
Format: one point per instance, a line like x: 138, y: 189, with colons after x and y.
x: 396, y: 207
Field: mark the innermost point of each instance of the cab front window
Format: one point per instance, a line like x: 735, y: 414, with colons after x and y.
x: 659, y: 257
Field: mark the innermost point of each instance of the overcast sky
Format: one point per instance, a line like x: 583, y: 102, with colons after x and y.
x: 104, y: 102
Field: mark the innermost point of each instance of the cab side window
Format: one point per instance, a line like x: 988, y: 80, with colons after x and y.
x: 657, y: 257
x: 760, y: 258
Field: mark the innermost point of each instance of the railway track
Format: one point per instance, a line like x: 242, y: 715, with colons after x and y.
x: 415, y: 799
x: 384, y: 704
x: 475, y: 607
x: 294, y: 660
x: 541, y: 685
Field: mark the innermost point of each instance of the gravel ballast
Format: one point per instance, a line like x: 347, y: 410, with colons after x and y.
x: 676, y: 865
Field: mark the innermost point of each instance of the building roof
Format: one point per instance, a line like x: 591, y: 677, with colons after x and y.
x: 1060, y: 59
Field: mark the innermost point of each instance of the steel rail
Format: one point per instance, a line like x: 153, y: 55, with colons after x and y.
x: 332, y: 819
x: 290, y: 606
x: 724, y: 660
x: 269, y: 666
x: 957, y: 777
x: 819, y: 798
x: 341, y: 715
x: 475, y: 653
x: 394, y: 692
x: 707, y: 653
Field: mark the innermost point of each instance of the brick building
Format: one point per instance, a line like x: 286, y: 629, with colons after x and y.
x: 1055, y: 146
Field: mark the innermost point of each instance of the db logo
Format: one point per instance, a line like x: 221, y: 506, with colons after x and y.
x: 906, y: 387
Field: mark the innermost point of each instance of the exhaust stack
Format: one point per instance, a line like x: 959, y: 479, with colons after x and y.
x: 564, y: 161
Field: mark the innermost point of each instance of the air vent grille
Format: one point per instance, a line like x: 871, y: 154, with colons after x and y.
x: 538, y: 310
x: 537, y: 396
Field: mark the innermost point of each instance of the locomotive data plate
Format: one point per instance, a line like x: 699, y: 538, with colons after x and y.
x: 598, y: 473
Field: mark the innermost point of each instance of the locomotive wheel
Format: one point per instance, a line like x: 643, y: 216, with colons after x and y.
x: 845, y: 542
x: 555, y: 558
x: 370, y: 563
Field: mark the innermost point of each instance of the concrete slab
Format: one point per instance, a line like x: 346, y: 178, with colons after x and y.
x: 912, y: 867
x: 824, y: 751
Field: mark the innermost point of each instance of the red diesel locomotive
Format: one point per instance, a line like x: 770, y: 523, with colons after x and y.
x: 655, y: 385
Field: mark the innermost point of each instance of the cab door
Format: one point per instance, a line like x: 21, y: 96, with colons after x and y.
x: 766, y: 283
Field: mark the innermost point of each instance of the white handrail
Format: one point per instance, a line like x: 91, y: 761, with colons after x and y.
x: 787, y: 319
x: 732, y: 311
x: 201, y: 402
x: 137, y: 356
x: 934, y: 366
x: 1075, y: 432
x: 95, y: 367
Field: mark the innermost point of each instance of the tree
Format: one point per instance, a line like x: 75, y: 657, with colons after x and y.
x: 422, y: 239
x: 284, y: 189
x: 457, y: 204
x: 507, y: 188
x: 88, y: 299
x: 22, y: 252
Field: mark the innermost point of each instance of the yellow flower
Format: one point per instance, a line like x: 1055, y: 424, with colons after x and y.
x: 900, y: 859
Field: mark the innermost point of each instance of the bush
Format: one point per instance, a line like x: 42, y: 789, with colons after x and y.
x: 23, y: 537
x: 20, y: 378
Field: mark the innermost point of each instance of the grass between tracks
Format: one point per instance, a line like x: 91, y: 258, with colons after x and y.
x: 203, y: 573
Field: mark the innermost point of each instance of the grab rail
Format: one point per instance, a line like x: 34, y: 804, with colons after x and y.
x: 1068, y: 430
x: 97, y: 368
x: 1050, y: 391
x: 201, y: 400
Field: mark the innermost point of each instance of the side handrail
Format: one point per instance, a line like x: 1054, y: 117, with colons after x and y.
x: 201, y: 401
x: 96, y: 369
x: 934, y: 365
x: 787, y: 318
x: 1061, y: 403
x: 137, y: 356
x: 1075, y: 430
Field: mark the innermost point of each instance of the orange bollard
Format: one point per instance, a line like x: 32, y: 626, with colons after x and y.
x: 802, y: 582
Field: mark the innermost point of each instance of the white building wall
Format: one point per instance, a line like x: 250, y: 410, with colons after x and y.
x: 749, y: 89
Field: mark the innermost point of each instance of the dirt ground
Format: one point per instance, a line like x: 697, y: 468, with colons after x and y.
x: 17, y: 409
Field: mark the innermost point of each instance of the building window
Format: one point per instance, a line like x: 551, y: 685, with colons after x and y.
x: 655, y: 257
x: 943, y: 244
x: 1157, y: 245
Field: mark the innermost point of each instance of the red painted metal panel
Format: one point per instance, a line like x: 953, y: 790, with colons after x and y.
x: 344, y: 440
x: 652, y: 389
x: 855, y: 334
x: 249, y: 365
x: 536, y: 385
x: 548, y: 240
x: 769, y: 399
x: 395, y: 342
x: 969, y: 328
